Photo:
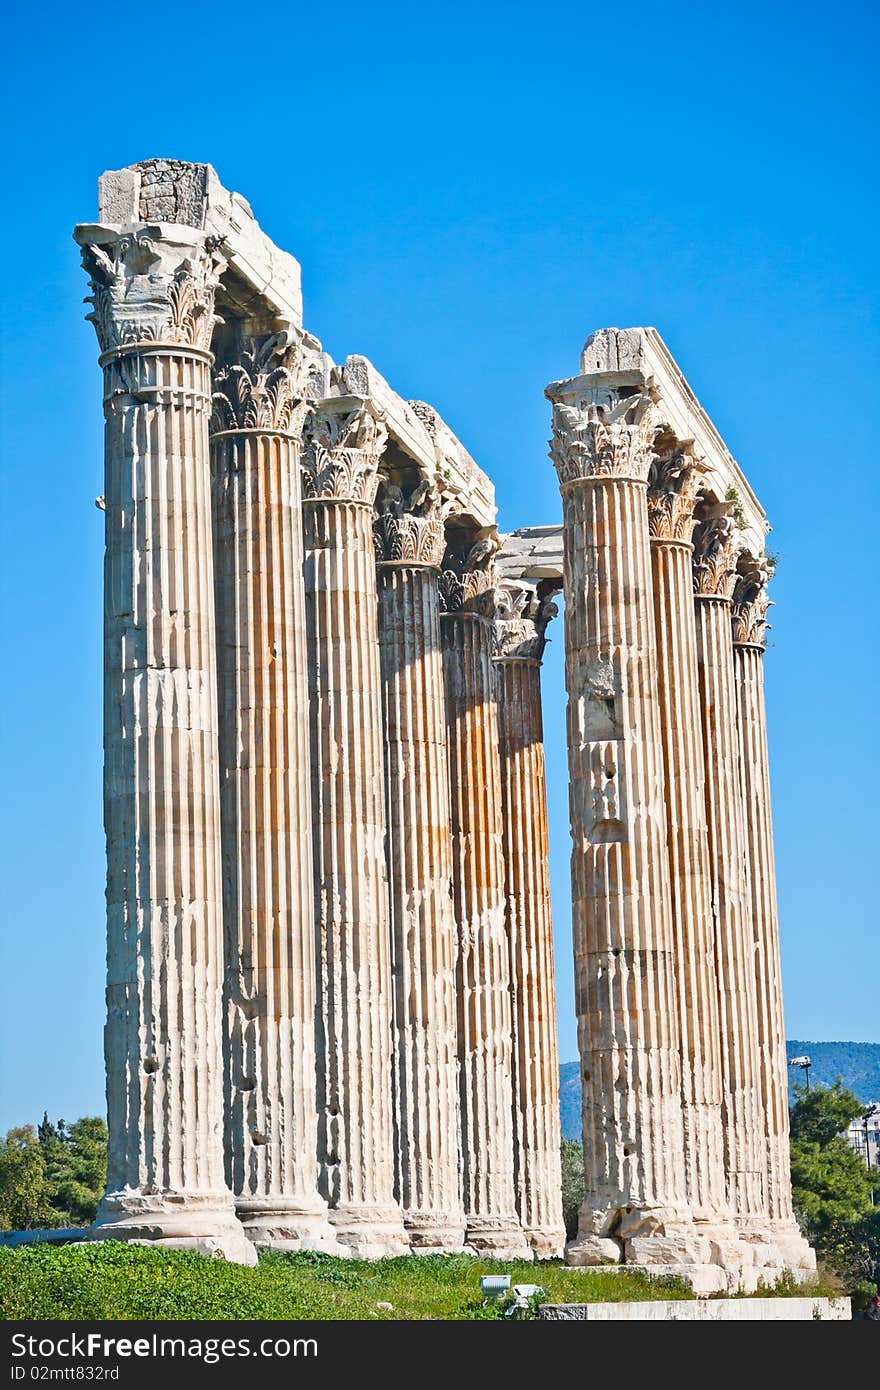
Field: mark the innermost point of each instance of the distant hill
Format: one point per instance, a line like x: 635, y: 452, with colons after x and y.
x: 570, y: 1099
x: 857, y: 1064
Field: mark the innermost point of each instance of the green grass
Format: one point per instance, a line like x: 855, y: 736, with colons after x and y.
x: 117, y: 1281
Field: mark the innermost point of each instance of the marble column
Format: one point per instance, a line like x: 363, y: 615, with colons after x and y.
x: 342, y: 446
x: 749, y: 614
x: 673, y: 485
x: 519, y: 646
x: 409, y: 550
x: 268, y: 897
x: 635, y: 1203
x: 483, y: 986
x: 153, y: 303
x: 716, y: 544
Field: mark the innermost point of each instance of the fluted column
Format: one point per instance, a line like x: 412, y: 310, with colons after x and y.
x: 519, y: 646
x: 749, y: 613
x: 268, y: 896
x: 672, y: 494
x: 355, y: 1129
x: 716, y: 544
x: 625, y: 969
x: 484, y: 1005
x: 409, y: 550
x: 153, y: 311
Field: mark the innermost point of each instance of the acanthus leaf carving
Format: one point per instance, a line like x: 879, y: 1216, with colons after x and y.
x: 264, y: 388
x: 751, y: 602
x: 148, y: 288
x: 341, y: 450
x: 410, y: 530
x: 468, y: 577
x: 673, y: 488
x: 521, y: 619
x: 604, y: 434
x: 717, y: 543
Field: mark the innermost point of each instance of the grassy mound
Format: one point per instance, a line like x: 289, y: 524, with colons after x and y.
x: 116, y: 1281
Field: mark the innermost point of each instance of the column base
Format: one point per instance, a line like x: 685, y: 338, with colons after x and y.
x: 775, y: 1249
x: 370, y: 1233
x: 437, y: 1233
x: 274, y: 1224
x: 205, y: 1223
x: 799, y: 1255
x: 644, y: 1237
x: 713, y: 1256
x: 547, y: 1242
x: 657, y: 1257
x: 497, y: 1238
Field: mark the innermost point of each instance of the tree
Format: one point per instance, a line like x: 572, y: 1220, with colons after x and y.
x: 76, y: 1165
x: 25, y: 1192
x: 831, y: 1186
x: 572, y: 1184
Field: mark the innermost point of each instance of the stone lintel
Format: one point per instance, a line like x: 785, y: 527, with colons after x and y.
x: 174, y: 192
x: 634, y: 357
x: 425, y: 437
x: 532, y: 552
x: 262, y: 285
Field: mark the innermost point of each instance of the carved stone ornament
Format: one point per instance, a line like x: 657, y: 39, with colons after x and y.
x: 468, y: 578
x: 673, y: 487
x: 751, y: 602
x: 410, y: 530
x: 717, y: 543
x: 341, y: 449
x: 151, y: 287
x: 603, y: 434
x: 263, y: 389
x: 521, y: 619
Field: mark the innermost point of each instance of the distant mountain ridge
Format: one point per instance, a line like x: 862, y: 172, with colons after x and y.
x: 857, y: 1065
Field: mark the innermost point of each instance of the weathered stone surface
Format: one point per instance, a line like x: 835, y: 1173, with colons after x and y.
x: 521, y: 619
x: 268, y: 896
x: 342, y: 447
x: 172, y: 193
x: 750, y: 602
x: 625, y: 974
x: 673, y: 485
x: 715, y: 557
x: 409, y: 539
x: 153, y: 303
x: 638, y: 358
x: 677, y: 962
x: 704, y: 1310
x: 484, y: 1005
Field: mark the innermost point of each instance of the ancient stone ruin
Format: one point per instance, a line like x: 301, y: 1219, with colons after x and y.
x: 330, y: 1000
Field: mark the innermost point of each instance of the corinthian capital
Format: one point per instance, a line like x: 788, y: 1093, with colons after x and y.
x: 751, y: 601
x: 468, y: 577
x: 603, y: 434
x: 262, y: 388
x: 410, y: 530
x: 521, y: 618
x: 151, y: 285
x: 673, y: 486
x: 717, y: 543
x: 342, y: 445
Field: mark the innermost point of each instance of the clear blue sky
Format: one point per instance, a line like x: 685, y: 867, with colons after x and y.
x: 470, y: 190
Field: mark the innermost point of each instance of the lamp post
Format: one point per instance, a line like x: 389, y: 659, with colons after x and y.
x: 804, y: 1063
x: 868, y: 1114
